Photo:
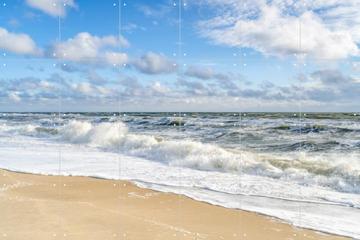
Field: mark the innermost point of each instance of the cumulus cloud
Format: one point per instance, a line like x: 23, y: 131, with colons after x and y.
x: 30, y: 89
x: 324, y: 86
x: 207, y: 72
x: 131, y: 88
x: 14, y: 97
x: 18, y: 43
x: 116, y: 58
x: 152, y: 63
x: 225, y: 81
x: 194, y: 88
x: 84, y: 88
x: 85, y: 47
x: 87, y: 89
x: 273, y: 28
x: 45, y: 84
x: 53, y: 8
x: 70, y: 68
x: 159, y: 88
x: 330, y: 77
x: 356, y: 66
x: 27, y: 86
x: 204, y: 73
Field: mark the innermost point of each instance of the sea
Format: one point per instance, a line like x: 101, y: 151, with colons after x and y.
x: 302, y: 168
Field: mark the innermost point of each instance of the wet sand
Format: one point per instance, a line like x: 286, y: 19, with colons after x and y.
x: 51, y: 207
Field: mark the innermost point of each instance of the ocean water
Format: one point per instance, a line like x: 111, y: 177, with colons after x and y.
x: 302, y: 169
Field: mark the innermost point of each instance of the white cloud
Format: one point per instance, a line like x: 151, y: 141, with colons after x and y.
x: 103, y: 90
x: 356, y: 66
x: 116, y: 58
x: 225, y: 81
x: 85, y: 47
x: 45, y: 84
x: 158, y: 88
x: 17, y: 43
x: 90, y: 90
x: 152, y: 63
x: 156, y: 11
x: 82, y: 47
x: 204, y: 73
x: 14, y: 96
x: 273, y: 27
x: 84, y: 88
x: 52, y: 7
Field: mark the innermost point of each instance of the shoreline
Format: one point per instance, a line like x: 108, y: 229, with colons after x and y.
x: 73, y: 207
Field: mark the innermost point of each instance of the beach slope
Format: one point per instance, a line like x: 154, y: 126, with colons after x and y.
x: 52, y: 207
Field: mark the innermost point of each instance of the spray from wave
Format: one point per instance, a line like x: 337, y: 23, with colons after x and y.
x: 326, y: 170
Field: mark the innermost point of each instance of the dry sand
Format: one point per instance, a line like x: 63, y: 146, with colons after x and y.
x: 51, y: 207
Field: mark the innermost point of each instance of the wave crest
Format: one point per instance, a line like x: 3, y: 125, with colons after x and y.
x: 324, y: 170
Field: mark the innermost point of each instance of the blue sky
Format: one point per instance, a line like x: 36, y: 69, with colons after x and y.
x: 258, y: 55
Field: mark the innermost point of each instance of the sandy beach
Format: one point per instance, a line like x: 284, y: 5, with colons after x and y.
x: 52, y: 207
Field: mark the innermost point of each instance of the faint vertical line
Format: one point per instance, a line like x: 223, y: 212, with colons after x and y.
x: 241, y: 170
x: 300, y: 111
x: 123, y: 234
x: 240, y: 167
x: 179, y: 74
x: 119, y: 97
x: 59, y: 116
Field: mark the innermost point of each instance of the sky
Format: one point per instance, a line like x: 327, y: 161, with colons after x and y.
x: 180, y: 55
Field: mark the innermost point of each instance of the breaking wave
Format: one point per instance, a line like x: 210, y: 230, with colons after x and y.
x: 326, y: 169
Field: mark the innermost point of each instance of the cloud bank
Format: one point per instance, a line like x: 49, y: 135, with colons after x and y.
x: 318, y: 29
